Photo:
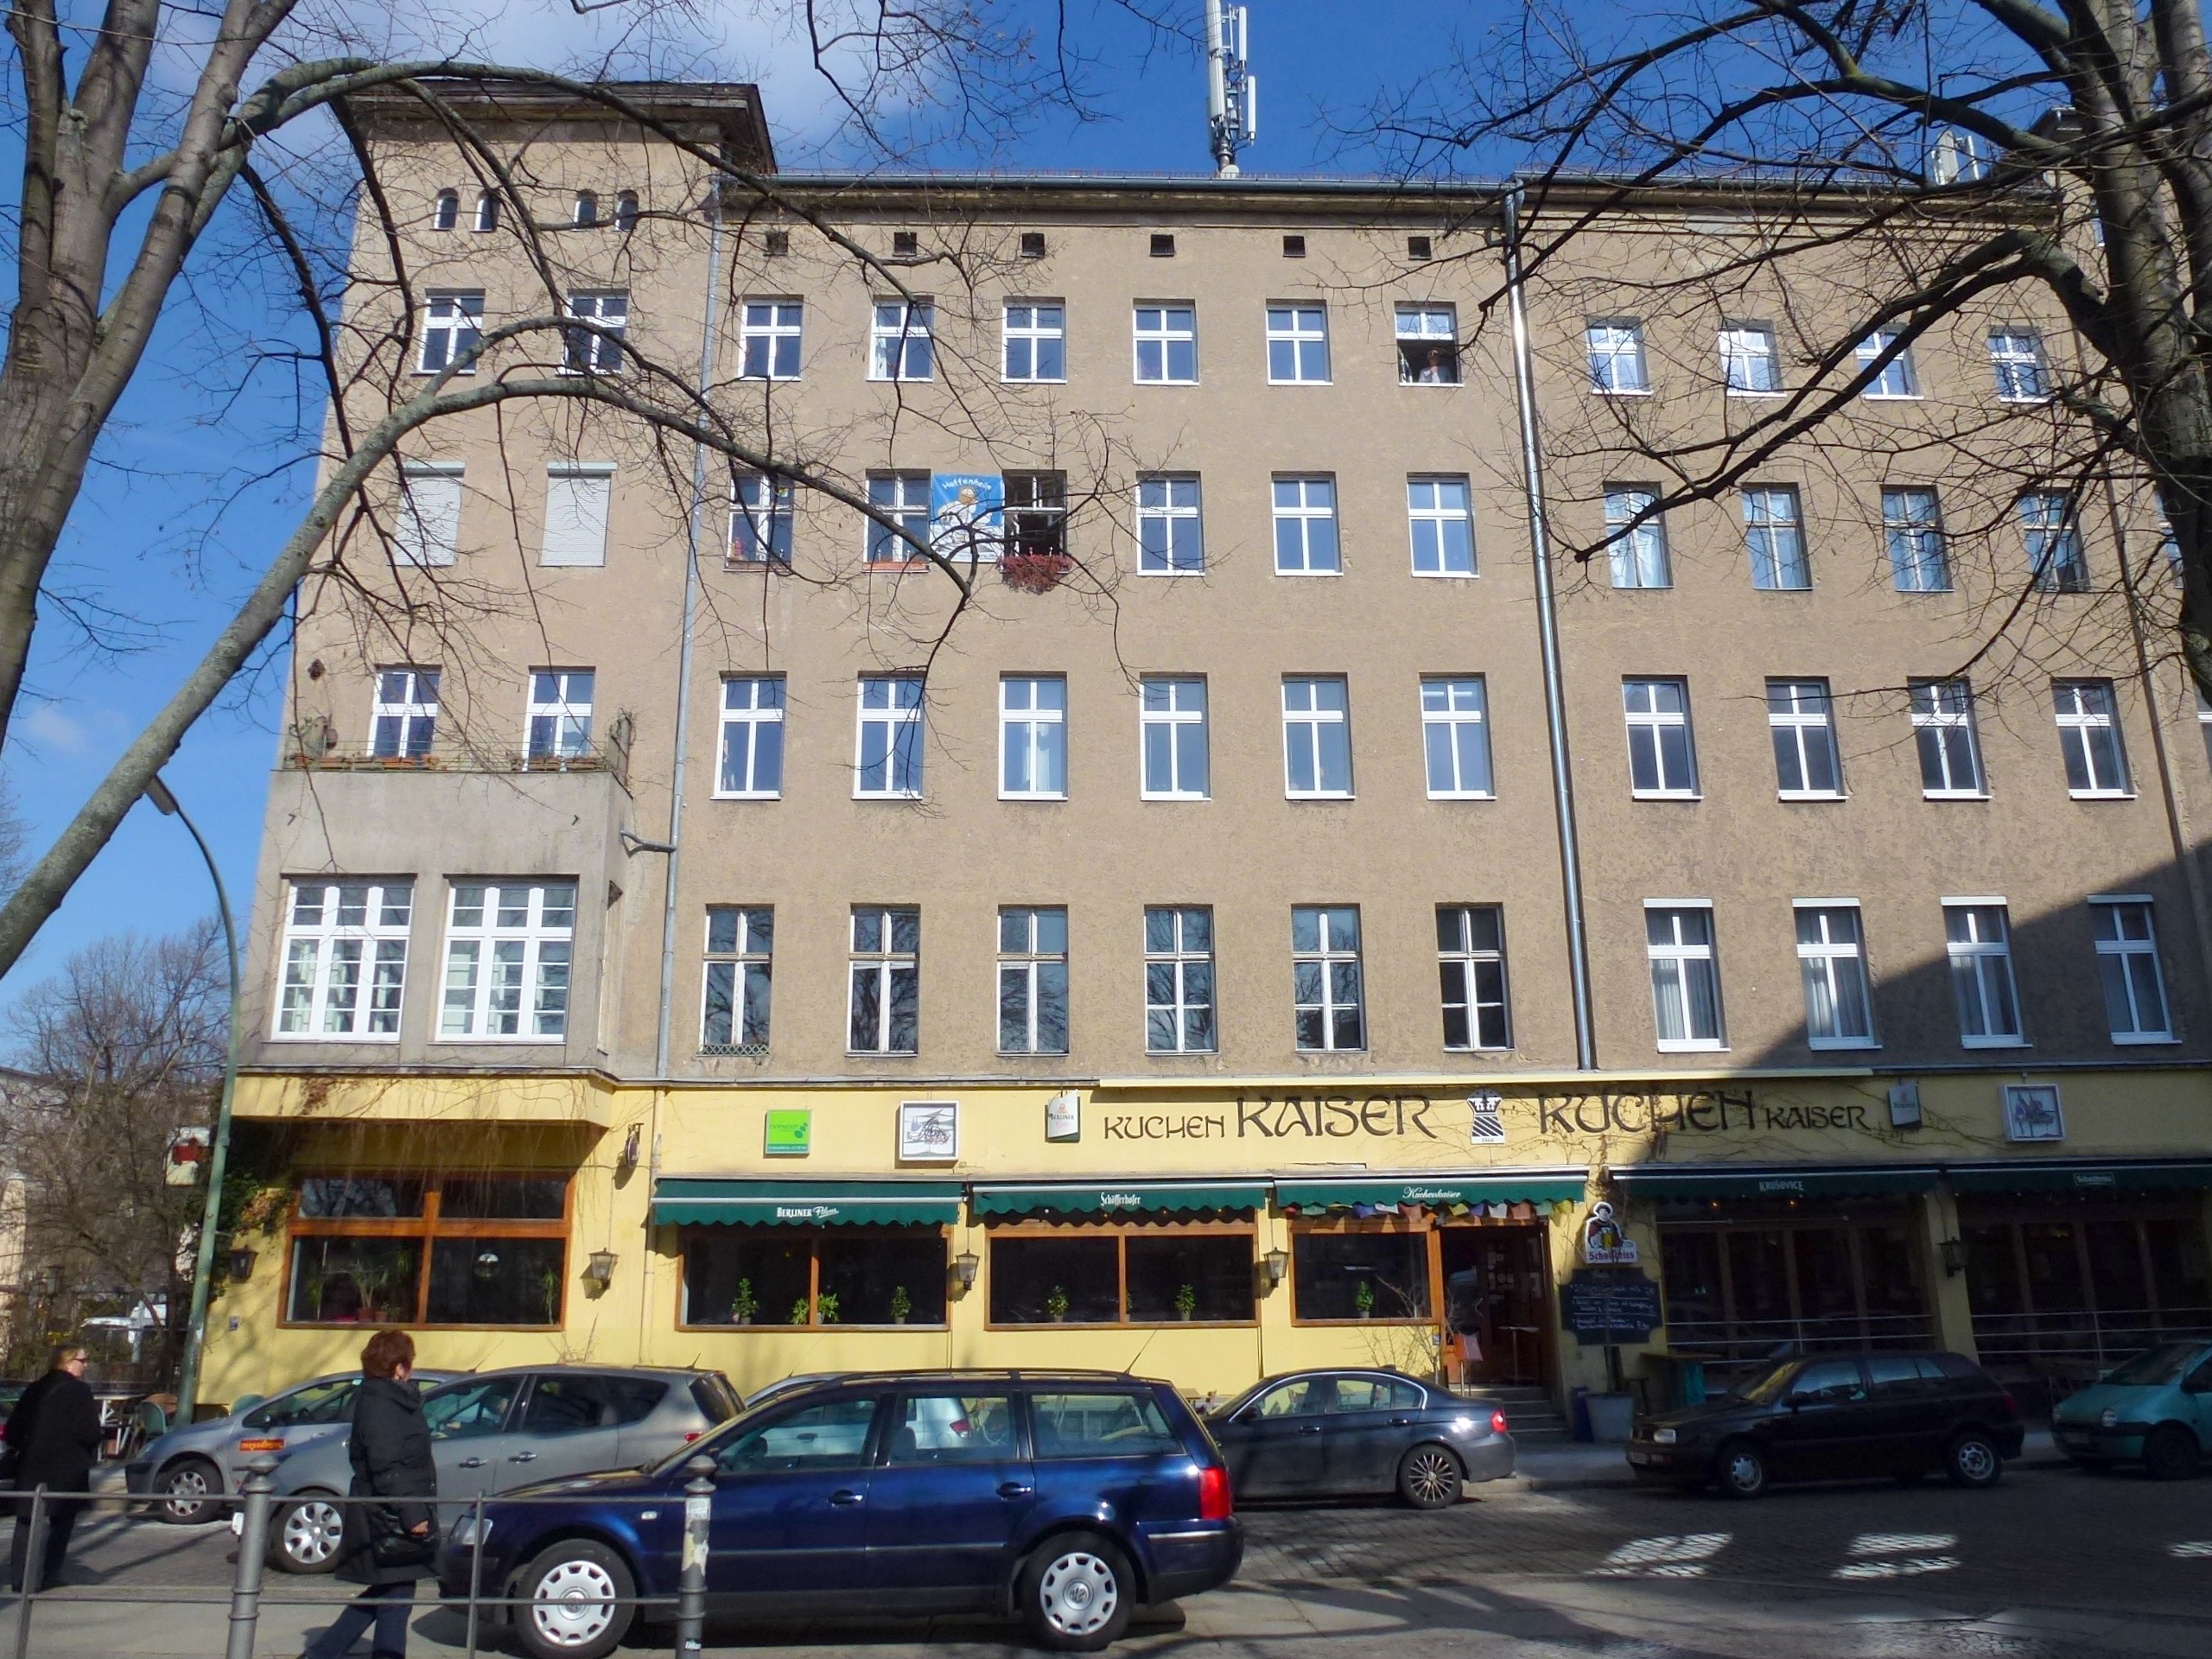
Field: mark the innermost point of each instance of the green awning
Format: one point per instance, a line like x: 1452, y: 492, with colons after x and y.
x: 1432, y: 1191
x: 693, y: 1201
x: 1772, y: 1181
x: 1117, y: 1197
x: 2027, y: 1175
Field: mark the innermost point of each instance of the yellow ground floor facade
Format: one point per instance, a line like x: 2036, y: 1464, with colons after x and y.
x: 1563, y: 1232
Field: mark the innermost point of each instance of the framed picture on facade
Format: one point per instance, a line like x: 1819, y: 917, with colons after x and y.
x: 929, y: 1131
x: 2032, y: 1112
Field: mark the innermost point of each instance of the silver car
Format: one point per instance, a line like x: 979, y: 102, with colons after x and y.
x: 190, y: 1469
x: 493, y: 1430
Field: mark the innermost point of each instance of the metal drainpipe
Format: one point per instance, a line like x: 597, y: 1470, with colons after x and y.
x: 1570, y: 852
x: 684, y: 652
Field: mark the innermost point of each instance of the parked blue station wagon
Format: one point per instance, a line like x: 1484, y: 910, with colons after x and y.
x: 1068, y: 1498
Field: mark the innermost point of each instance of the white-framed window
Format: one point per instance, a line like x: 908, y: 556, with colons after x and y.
x: 753, y: 738
x: 763, y: 515
x: 2016, y: 357
x: 427, y: 531
x: 771, y: 333
x: 905, y: 498
x: 403, y: 718
x: 1171, y: 718
x: 1636, y: 551
x: 887, y: 749
x: 2052, y: 538
x: 452, y: 322
x: 2127, y: 960
x: 1832, y: 961
x: 345, y: 959
x: 1033, y: 737
x: 1036, y: 340
x: 1306, y: 527
x: 1748, y: 362
x: 598, y: 349
x: 1773, y: 534
x: 445, y: 212
x: 625, y: 211
x: 1328, y: 1001
x: 1616, y: 351
x: 1950, y: 748
x: 1471, y: 962
x: 1036, y: 515
x: 1685, y: 976
x: 1912, y: 526
x: 1316, y: 738
x: 739, y: 977
x: 1171, y: 525
x: 584, y: 212
x: 885, y: 1014
x: 1428, y: 345
x: 1662, y: 759
x: 1441, y: 525
x: 578, y: 496
x: 487, y: 210
x: 560, y: 713
x: 1895, y: 378
x: 1800, y: 717
x: 1298, y: 344
x: 901, y: 340
x: 1166, y: 340
x: 508, y: 951
x: 1978, y: 942
x: 1178, y: 998
x: 1033, y: 980
x: 1455, y: 738
x: 2089, y: 736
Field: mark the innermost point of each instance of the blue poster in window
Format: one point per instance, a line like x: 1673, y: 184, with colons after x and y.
x: 967, y: 514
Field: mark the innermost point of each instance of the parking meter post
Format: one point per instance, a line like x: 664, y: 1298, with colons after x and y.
x: 691, y: 1579
x: 253, y: 1549
x: 475, y: 1568
x: 34, y: 1570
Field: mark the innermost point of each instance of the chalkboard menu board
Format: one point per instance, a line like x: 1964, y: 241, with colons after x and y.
x: 1610, y: 1304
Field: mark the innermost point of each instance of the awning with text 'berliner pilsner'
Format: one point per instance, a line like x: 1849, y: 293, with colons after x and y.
x: 1432, y: 1191
x: 698, y: 1200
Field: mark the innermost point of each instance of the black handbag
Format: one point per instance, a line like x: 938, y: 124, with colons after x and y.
x: 391, y: 1545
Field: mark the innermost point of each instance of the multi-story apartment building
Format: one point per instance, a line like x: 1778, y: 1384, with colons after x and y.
x: 689, y: 931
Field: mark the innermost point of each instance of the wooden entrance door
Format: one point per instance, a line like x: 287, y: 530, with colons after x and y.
x: 1497, y: 1288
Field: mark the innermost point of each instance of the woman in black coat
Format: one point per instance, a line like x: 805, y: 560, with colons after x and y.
x: 390, y: 1452
x: 55, y: 1432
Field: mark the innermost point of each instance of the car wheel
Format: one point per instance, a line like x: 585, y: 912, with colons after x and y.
x: 190, y: 1492
x: 1076, y: 1593
x: 2170, y: 1454
x: 1741, y: 1467
x: 1428, y: 1477
x: 576, y: 1602
x: 1973, y: 1461
x: 308, y: 1533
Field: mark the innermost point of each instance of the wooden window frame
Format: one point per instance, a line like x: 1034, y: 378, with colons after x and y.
x: 428, y: 1228
x: 1122, y: 1230
x: 1424, y: 1224
x: 813, y: 1236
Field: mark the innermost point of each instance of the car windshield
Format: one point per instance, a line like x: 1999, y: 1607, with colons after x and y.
x: 1761, y: 1387
x: 2154, y: 1367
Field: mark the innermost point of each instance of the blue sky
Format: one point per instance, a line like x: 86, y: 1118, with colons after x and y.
x: 183, y: 508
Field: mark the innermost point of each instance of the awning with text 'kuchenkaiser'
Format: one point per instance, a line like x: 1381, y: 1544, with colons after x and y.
x: 1773, y: 1181
x: 696, y: 1201
x: 1117, y: 1197
x: 2083, y: 1175
x: 1432, y: 1191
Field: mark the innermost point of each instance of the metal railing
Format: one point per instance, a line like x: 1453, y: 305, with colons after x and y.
x: 2076, y: 1343
x: 257, y: 1502
x: 1737, y: 1342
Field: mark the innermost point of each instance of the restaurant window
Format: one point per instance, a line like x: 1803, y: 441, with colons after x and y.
x: 2077, y: 1280
x: 475, y: 1249
x: 780, y: 1276
x: 1360, y: 1275
x: 1140, y: 1273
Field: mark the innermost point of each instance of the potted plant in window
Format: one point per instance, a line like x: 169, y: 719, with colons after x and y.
x: 1363, y: 1299
x: 1036, y: 569
x: 1056, y: 1304
x: 902, y: 1304
x: 1186, y: 1301
x: 799, y: 1313
x: 742, y: 1310
x: 825, y: 1309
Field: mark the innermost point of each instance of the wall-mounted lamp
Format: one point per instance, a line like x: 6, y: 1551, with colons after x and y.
x: 241, y: 1264
x: 1954, y: 1257
x: 963, y: 1269
x: 599, y: 1269
x: 1277, y: 1263
x: 630, y: 1146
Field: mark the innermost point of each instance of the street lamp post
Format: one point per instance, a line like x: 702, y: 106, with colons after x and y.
x: 203, y: 1265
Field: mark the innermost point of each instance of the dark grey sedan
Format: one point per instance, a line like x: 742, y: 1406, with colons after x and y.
x: 1322, y: 1433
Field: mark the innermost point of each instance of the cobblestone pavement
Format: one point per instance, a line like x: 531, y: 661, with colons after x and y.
x: 2053, y: 1564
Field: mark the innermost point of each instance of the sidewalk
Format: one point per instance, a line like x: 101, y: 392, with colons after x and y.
x: 1580, y: 1464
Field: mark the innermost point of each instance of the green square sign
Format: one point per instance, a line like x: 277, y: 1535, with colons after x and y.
x: 791, y: 1131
